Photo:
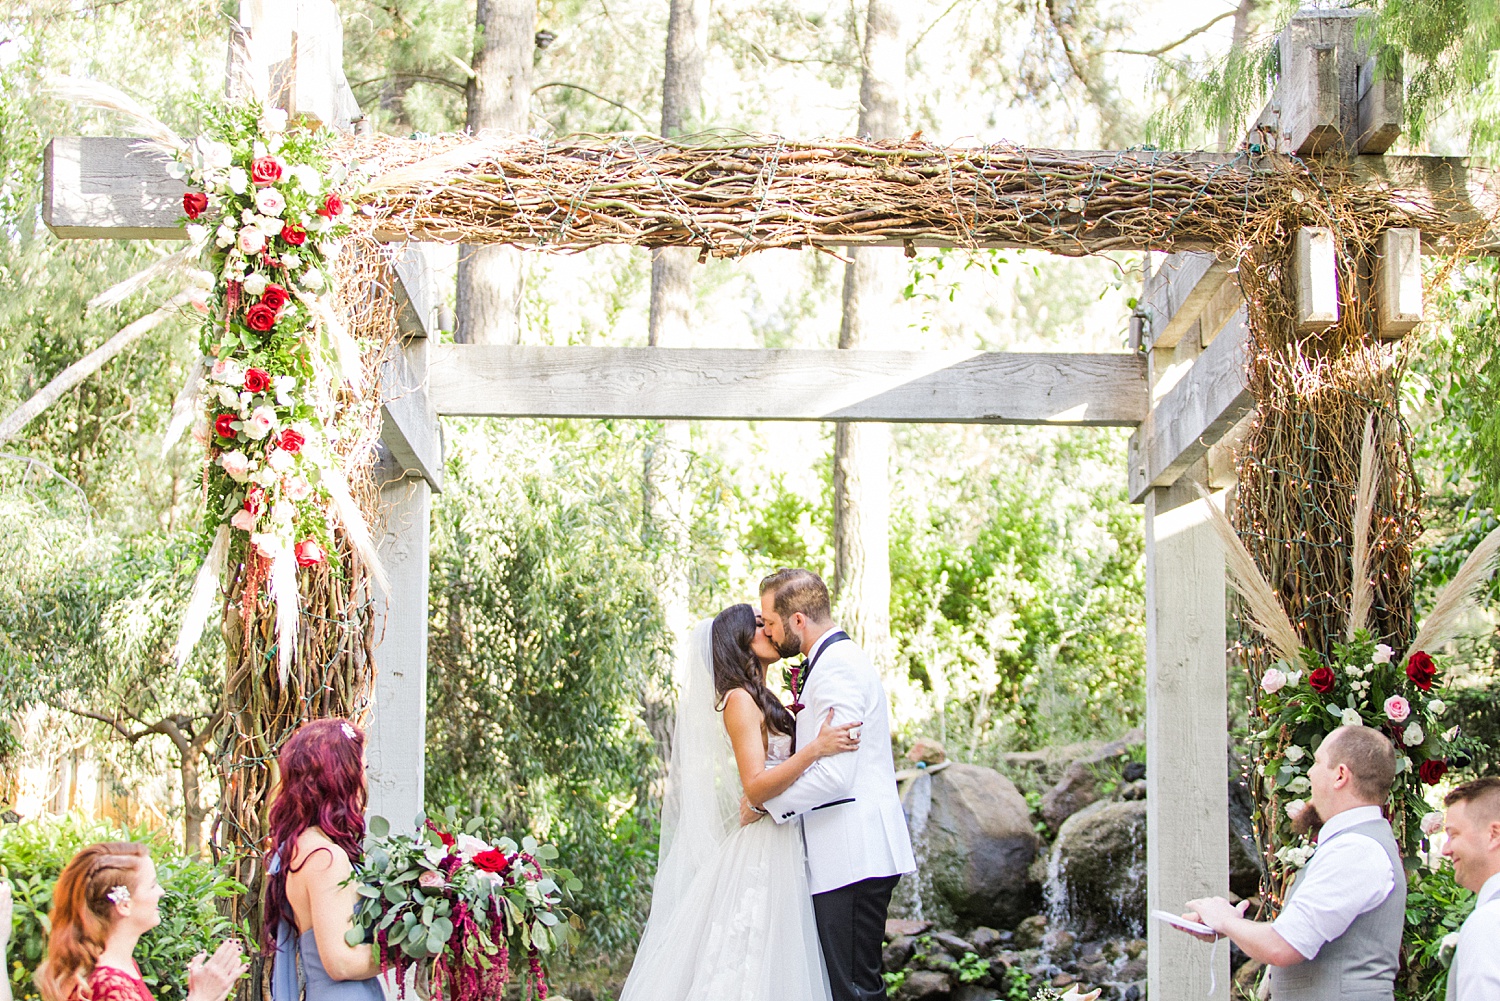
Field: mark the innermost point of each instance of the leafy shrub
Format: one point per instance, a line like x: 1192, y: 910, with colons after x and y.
x: 1435, y: 907
x: 33, y: 854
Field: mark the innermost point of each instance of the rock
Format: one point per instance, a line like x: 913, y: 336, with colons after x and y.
x: 1136, y: 948
x: 1134, y: 992
x: 1030, y: 931
x: 1100, y: 861
x: 977, y: 848
x: 927, y: 751
x: 1133, y: 771
x: 956, y: 946
x: 1092, y: 956
x: 1134, y: 790
x: 973, y: 992
x: 1079, y: 785
x: 1064, y: 980
x: 985, y: 939
x: 1133, y: 970
x: 922, y: 985
x: 1059, y: 944
x: 901, y: 927
x: 1246, y: 866
x: 898, y: 953
x: 937, y: 961
x: 1097, y: 972
x: 1248, y: 976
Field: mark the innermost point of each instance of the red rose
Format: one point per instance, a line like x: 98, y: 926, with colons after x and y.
x: 257, y: 380
x: 1421, y: 670
x: 194, y: 203
x: 222, y: 424
x: 308, y: 553
x: 274, y: 296
x: 447, y: 839
x: 265, y: 170
x: 1321, y: 680
x: 332, y: 206
x: 291, y: 441
x: 492, y: 860
x: 295, y: 235
x: 260, y: 317
x: 1432, y: 771
x: 255, y: 499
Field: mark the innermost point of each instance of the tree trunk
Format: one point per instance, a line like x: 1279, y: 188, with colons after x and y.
x: 872, y: 296
x: 490, y: 279
x: 668, y: 505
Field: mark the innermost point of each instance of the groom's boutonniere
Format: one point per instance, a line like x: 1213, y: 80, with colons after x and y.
x: 794, y: 674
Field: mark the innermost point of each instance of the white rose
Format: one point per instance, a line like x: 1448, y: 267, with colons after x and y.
x: 1351, y: 717
x: 291, y: 261
x: 225, y: 235
x: 269, y: 225
x: 435, y: 854
x: 1353, y: 670
x: 251, y: 240
x: 1295, y: 754
x: 279, y: 460
x: 1437, y: 707
x: 215, y: 155
x: 284, y: 385
x: 297, y: 488
x: 198, y: 278
x: 1293, y: 679
x: 1402, y: 763
x: 265, y: 476
x: 283, y: 512
x: 236, y: 465
x: 1272, y: 681
x: 1413, y: 735
x: 1432, y: 823
x: 274, y: 144
x: 255, y: 284
x: 1383, y: 654
x: 227, y: 371
x: 468, y: 846
x: 1300, y: 784
x: 330, y: 249
x: 196, y: 233
x: 238, y: 180
x: 312, y: 278
x: 1295, y: 807
x: 260, y: 422
x: 272, y: 120
x: 271, y: 202
x: 307, y: 178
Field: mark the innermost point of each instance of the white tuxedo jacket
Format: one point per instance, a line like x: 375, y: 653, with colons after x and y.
x: 851, y: 814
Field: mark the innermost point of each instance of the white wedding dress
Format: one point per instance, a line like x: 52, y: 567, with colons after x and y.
x: 731, y: 915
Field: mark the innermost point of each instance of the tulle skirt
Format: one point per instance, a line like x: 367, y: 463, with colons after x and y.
x: 744, y: 930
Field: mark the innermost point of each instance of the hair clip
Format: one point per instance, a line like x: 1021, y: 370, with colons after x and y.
x: 348, y: 730
x: 119, y: 896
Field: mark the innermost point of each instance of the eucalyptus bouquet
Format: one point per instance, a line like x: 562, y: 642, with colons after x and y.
x: 458, y: 907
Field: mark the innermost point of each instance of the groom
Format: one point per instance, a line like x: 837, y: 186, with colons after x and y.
x: 857, y: 842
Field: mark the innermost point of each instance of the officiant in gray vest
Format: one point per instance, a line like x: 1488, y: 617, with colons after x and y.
x: 1339, y: 933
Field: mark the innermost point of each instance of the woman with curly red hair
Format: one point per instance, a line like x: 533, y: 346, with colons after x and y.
x: 107, y: 898
x: 317, y: 825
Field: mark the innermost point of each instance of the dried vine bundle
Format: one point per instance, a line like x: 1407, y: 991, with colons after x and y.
x: 732, y: 196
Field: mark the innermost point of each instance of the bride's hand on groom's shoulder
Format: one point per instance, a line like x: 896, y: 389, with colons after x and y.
x: 835, y: 739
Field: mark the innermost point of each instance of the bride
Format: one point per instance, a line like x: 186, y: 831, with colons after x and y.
x: 731, y: 916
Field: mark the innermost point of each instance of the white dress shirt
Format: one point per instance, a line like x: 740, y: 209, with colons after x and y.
x: 1347, y: 876
x: 1475, y: 975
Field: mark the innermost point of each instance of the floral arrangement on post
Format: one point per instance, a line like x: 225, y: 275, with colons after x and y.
x: 1303, y: 697
x: 457, y: 907
x: 267, y: 217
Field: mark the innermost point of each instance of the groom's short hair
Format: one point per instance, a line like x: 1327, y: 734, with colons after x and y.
x: 794, y: 590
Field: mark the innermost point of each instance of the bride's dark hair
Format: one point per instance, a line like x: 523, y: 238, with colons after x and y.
x: 736, y: 666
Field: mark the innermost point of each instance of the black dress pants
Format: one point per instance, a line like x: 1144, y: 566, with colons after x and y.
x: 851, y: 927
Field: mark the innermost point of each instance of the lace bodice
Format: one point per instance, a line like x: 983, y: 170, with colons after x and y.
x: 778, y: 749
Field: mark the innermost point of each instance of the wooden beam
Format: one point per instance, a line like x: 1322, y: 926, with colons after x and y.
x: 1398, y: 281
x: 108, y: 188
x: 1319, y: 83
x: 97, y: 188
x: 1194, y: 414
x: 1316, y: 270
x: 719, y: 384
x: 410, y: 429
x: 417, y: 294
x: 1380, y: 106
x: 1177, y: 293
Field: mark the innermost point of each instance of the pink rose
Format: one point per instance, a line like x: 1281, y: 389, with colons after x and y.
x: 297, y: 489
x: 251, y: 240
x: 431, y: 880
x: 1397, y: 708
x: 236, y: 464
x: 243, y: 520
x: 308, y: 553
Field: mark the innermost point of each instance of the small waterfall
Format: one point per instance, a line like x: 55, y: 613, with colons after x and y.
x: 916, y: 803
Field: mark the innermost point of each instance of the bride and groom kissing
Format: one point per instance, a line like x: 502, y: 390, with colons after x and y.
x: 782, y: 833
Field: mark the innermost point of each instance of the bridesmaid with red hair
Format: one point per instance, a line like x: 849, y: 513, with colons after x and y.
x: 317, y: 828
x: 107, y: 898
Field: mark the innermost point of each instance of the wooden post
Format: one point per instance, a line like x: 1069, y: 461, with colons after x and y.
x: 1187, y: 808
x: 1317, y: 279
x: 1398, y: 281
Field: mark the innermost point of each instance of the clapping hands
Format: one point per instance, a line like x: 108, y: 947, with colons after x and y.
x: 213, y: 978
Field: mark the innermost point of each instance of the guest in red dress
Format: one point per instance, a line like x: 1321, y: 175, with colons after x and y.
x: 107, y: 898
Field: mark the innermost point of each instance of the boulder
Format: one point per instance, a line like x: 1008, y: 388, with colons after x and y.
x: 1079, y: 785
x: 985, y: 939
x: 927, y: 751
x: 1029, y: 932
x: 975, y: 847
x: 1246, y: 865
x: 925, y: 985
x: 898, y: 953
x: 973, y: 992
x: 955, y: 946
x: 1100, y: 863
x: 903, y: 928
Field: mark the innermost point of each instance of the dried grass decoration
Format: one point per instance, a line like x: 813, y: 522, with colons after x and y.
x: 1304, y: 696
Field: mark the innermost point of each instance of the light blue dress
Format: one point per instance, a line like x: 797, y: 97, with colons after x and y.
x: 297, y: 972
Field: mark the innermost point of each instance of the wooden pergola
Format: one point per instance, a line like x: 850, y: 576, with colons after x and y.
x: 1182, y: 387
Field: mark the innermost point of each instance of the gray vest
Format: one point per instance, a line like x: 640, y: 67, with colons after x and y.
x: 1359, y: 965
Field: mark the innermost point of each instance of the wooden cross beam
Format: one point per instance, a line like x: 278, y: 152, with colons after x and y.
x: 1088, y: 390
